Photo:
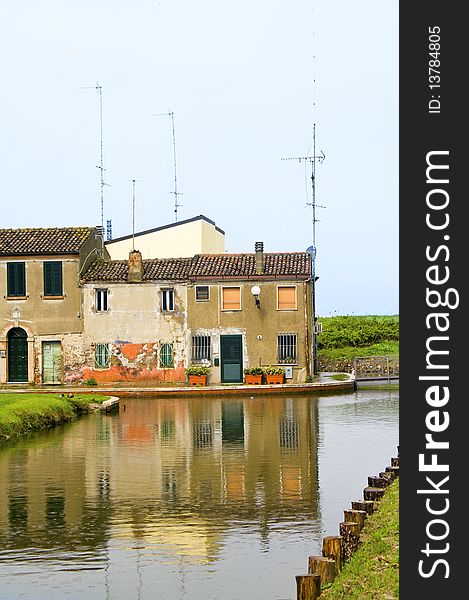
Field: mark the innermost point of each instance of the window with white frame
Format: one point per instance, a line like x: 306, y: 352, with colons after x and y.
x: 286, y: 297
x: 167, y: 299
x: 231, y: 298
x: 287, y: 348
x: 202, y: 293
x: 201, y: 348
x: 101, y: 300
x: 166, y: 355
x: 102, y: 356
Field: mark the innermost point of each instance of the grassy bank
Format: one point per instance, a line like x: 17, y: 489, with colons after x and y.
x: 344, y: 337
x: 373, y: 571
x: 22, y: 413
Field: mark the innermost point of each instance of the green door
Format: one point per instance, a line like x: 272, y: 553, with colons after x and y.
x: 51, y: 362
x: 17, y: 355
x: 231, y: 355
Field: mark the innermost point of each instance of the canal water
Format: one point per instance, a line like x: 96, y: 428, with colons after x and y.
x: 194, y: 498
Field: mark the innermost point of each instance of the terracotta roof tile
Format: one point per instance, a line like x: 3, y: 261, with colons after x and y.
x: 285, y: 264
x: 49, y: 240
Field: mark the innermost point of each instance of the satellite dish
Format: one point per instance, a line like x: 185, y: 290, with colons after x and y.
x: 311, y: 250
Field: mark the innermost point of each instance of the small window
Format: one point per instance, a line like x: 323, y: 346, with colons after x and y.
x: 101, y: 300
x: 202, y: 293
x: 102, y: 356
x: 201, y: 348
x: 167, y: 300
x: 231, y: 298
x: 16, y: 279
x: 166, y: 355
x: 286, y: 297
x: 287, y: 352
x: 53, y: 278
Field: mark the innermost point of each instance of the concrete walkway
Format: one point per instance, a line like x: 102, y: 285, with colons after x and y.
x: 325, y: 383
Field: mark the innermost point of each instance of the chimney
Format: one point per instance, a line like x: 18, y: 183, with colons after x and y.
x: 135, y: 266
x: 259, y: 246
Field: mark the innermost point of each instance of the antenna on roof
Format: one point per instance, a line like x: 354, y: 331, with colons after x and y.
x: 101, y: 168
x: 176, y: 193
x: 133, y: 215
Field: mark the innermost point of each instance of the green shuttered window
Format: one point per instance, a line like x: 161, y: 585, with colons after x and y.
x: 16, y: 279
x: 53, y: 278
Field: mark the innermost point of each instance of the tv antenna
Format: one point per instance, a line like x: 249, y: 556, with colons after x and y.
x: 312, y: 250
x: 133, y: 215
x: 99, y: 89
x: 312, y: 159
x: 176, y: 193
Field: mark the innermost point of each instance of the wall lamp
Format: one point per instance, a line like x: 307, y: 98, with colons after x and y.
x: 255, y: 291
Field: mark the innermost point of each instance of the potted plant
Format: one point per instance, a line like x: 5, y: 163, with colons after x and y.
x: 197, y: 375
x: 274, y: 374
x: 253, y: 375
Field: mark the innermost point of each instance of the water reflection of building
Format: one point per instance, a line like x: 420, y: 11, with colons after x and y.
x: 175, y: 473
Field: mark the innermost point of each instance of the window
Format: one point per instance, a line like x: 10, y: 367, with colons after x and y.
x: 53, y: 278
x: 101, y: 300
x: 286, y: 297
x: 200, y: 348
x: 102, y: 356
x: 167, y: 300
x: 16, y: 280
x: 231, y: 298
x: 287, y: 348
x: 202, y: 293
x: 166, y: 355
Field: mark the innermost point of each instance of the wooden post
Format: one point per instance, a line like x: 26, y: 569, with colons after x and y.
x: 308, y: 587
x: 367, y: 505
x: 350, y: 533
x: 371, y: 493
x: 355, y: 516
x: 331, y: 548
x: 377, y: 482
x: 324, y: 567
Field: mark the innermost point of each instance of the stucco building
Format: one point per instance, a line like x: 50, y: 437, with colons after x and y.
x: 145, y: 320
x: 41, y: 319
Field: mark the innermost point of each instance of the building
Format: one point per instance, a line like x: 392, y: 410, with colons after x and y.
x: 41, y: 320
x: 146, y: 320
x: 198, y: 235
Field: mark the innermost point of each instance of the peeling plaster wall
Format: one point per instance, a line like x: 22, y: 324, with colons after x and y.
x: 135, y: 327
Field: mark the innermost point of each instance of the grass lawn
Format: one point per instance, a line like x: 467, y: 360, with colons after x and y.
x: 22, y: 413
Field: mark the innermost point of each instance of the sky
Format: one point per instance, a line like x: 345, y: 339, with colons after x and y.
x: 246, y: 82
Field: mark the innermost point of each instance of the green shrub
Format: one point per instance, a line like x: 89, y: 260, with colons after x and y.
x: 197, y: 370
x: 90, y: 381
x: 254, y: 371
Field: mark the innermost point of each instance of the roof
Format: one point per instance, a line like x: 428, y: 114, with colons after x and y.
x: 177, y: 224
x: 206, y: 266
x: 48, y: 240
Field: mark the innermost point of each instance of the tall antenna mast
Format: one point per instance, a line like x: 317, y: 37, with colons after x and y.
x: 133, y: 214
x: 99, y: 89
x: 312, y: 249
x: 176, y: 193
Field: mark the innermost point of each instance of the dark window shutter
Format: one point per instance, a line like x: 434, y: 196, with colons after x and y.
x: 53, y: 278
x: 16, y: 280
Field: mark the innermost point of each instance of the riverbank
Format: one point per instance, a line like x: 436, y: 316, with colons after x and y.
x: 373, y: 570
x: 22, y: 413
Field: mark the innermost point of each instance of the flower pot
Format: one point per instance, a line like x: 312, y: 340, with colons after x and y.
x: 274, y: 378
x: 253, y: 379
x: 197, y: 379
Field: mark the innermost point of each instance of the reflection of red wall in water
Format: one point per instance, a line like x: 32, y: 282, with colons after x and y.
x: 291, y: 480
x: 234, y: 483
x: 137, y: 433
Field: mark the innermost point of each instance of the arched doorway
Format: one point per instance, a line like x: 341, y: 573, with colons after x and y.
x: 17, y: 355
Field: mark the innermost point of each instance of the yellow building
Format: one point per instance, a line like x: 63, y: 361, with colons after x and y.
x: 198, y: 235
x: 40, y: 307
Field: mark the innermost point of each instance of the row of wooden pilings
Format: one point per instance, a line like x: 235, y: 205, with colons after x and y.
x: 337, y: 549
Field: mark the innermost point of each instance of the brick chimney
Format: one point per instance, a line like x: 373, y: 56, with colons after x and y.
x: 259, y: 246
x: 135, y: 266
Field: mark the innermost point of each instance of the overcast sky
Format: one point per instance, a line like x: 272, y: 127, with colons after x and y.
x: 245, y: 81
